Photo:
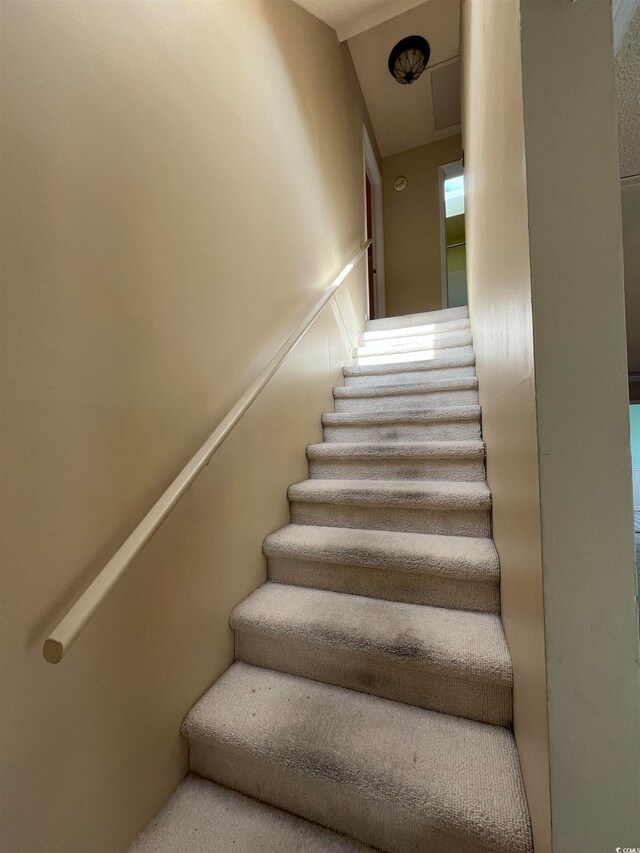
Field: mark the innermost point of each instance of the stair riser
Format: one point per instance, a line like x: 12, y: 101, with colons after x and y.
x: 423, y: 342
x: 407, y: 402
x: 338, y: 803
x: 431, y: 431
x: 454, y: 522
x: 396, y: 675
x: 445, y: 315
x: 459, y: 470
x: 410, y: 377
x: 387, y: 584
x: 414, y: 355
x: 416, y: 331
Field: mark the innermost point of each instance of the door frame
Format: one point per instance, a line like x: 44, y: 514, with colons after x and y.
x: 371, y: 170
x: 446, y: 170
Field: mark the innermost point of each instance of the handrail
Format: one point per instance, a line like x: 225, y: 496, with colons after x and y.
x: 67, y: 631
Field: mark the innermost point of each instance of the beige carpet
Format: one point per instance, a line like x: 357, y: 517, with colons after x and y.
x: 371, y: 693
x: 202, y: 817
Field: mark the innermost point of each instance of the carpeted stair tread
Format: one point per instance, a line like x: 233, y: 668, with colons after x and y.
x: 402, y: 389
x: 439, y: 393
x: 397, y: 460
x: 398, y: 356
x: 394, y: 776
x: 448, y: 413
x: 434, y: 494
x: 202, y: 817
x: 447, y: 340
x: 424, y: 319
x: 403, y: 368
x: 452, y: 661
x: 443, y: 571
x: 447, y: 556
x: 432, y: 423
x: 459, y: 508
x: 397, y: 450
x: 407, y: 377
x: 394, y: 373
x: 414, y: 331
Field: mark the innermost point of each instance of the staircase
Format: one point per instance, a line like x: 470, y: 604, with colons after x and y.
x: 369, y: 706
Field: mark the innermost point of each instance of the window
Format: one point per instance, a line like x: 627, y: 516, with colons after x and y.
x: 454, y: 250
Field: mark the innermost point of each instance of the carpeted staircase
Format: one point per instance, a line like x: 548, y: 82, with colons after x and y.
x: 370, y: 701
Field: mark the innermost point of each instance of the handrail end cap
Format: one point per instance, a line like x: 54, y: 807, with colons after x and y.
x: 52, y: 651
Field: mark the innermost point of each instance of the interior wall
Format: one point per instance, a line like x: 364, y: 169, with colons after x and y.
x: 588, y: 552
x: 169, y: 217
x: 499, y: 286
x: 413, y: 268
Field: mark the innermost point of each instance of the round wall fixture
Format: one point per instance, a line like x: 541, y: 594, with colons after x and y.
x: 408, y: 59
x: 400, y: 183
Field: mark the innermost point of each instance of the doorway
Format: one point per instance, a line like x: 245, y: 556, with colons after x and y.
x: 374, y: 232
x: 634, y: 417
x: 371, y: 267
x: 452, y: 236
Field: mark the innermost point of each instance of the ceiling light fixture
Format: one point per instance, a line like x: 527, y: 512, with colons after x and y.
x: 408, y: 59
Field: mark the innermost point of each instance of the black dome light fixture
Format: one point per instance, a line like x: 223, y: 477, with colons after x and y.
x: 408, y: 59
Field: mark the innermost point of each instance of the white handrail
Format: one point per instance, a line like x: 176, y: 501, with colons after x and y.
x: 64, y: 635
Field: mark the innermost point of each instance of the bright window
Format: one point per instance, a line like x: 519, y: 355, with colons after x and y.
x: 454, y: 196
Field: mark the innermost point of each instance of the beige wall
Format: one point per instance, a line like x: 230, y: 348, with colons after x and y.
x: 547, y: 308
x: 499, y: 284
x: 583, y: 423
x: 413, y: 276
x: 169, y: 217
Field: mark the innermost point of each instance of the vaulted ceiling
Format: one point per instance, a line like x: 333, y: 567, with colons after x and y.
x: 403, y: 117
x: 350, y: 17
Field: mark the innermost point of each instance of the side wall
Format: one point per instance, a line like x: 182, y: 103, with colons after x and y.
x: 583, y: 423
x: 412, y: 227
x: 169, y: 217
x: 499, y: 284
x: 550, y: 338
